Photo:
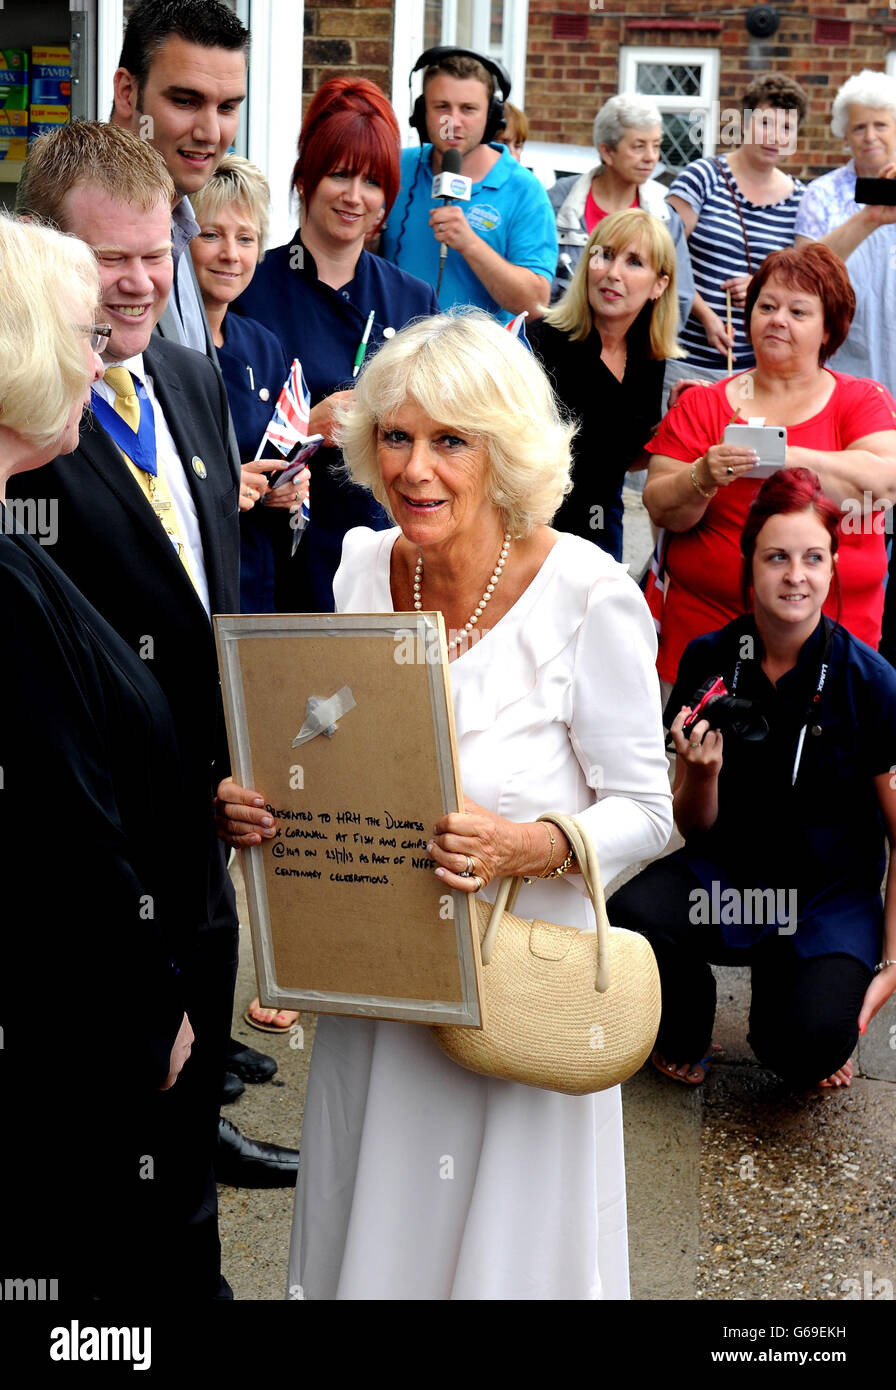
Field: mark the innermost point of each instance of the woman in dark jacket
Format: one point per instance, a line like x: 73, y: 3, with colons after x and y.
x: 92, y: 909
x: 604, y: 346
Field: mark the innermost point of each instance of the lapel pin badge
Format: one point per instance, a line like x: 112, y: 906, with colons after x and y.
x: 199, y: 467
x: 388, y: 332
x: 264, y: 394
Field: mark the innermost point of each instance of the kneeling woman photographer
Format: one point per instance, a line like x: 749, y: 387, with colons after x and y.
x: 785, y: 814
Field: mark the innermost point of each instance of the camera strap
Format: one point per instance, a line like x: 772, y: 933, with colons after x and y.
x: 813, y: 703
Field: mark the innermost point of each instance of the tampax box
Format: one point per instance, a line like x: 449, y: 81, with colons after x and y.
x: 51, y: 89
x: 13, y: 103
x: 51, y: 76
x: 46, y: 118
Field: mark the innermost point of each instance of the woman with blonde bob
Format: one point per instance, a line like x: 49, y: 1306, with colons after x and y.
x: 604, y: 346
x: 88, y: 757
x: 455, y: 429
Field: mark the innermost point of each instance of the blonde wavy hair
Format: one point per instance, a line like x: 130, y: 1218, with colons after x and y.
x: 43, y: 366
x: 467, y: 372
x: 572, y: 314
x: 236, y: 183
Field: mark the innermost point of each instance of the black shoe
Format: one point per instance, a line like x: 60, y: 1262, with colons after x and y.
x: 248, y: 1064
x: 242, y: 1162
x: 232, y: 1089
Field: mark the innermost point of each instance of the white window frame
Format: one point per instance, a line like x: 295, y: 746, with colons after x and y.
x: 707, y: 104
x: 407, y: 46
x: 273, y: 113
x: 891, y: 62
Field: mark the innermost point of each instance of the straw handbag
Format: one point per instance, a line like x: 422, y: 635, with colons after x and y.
x: 567, y: 1010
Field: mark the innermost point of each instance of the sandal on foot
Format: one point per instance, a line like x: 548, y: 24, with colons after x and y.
x: 277, y: 1020
x: 667, y: 1069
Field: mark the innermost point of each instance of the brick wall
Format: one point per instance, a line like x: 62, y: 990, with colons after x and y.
x: 347, y: 36
x: 567, y: 80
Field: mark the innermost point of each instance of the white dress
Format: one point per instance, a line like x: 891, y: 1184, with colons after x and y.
x: 418, y: 1179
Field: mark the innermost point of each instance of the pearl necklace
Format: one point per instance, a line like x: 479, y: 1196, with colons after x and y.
x: 480, y: 609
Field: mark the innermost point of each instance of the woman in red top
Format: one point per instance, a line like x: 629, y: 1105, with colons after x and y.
x: 798, y: 311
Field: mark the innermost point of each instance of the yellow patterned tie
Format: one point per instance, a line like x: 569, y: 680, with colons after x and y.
x: 155, y: 489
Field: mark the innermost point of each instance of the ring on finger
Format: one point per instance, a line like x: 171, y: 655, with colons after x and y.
x: 470, y: 867
x: 695, y: 743
x: 480, y: 884
x: 730, y: 471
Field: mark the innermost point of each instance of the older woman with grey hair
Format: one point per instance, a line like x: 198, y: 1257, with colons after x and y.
x: 455, y: 430
x: 864, y: 117
x: 627, y: 133
x: 89, y: 761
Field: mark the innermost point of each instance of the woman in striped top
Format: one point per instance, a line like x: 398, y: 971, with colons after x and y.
x: 736, y: 209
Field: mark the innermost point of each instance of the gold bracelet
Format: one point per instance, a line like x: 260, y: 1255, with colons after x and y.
x: 565, y: 866
x: 544, y: 872
x: 693, y: 477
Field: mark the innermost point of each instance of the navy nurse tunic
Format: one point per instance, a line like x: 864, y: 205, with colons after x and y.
x: 323, y: 328
x: 254, y: 367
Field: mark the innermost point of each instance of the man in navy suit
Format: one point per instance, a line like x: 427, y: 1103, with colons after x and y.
x: 147, y: 527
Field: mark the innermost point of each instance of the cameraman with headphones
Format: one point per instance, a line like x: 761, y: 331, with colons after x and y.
x: 502, y: 242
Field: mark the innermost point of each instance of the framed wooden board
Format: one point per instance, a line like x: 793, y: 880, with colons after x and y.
x: 346, y: 913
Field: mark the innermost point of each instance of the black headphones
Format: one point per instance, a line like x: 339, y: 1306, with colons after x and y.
x: 494, y: 121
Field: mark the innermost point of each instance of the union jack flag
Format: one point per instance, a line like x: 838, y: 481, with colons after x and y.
x: 517, y: 328
x: 289, y: 423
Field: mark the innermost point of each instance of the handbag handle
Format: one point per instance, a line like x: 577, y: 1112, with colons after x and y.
x: 581, y: 845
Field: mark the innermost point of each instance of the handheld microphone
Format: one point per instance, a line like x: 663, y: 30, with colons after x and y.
x: 452, y: 187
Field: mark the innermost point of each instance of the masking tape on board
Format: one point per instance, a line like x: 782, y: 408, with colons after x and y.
x: 321, y: 715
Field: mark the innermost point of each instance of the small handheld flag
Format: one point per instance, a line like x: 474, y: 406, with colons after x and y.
x: 289, y: 427
x: 289, y: 422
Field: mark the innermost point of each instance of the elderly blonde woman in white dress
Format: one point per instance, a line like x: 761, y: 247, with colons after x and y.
x: 419, y: 1180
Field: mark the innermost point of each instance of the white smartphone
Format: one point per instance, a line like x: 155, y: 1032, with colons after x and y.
x: 769, y: 441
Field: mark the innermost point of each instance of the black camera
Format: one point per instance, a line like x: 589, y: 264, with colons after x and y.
x: 726, y: 713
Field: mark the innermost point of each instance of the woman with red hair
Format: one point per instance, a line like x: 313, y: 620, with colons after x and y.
x: 317, y: 294
x: 328, y: 301
x: 785, y: 795
x: 699, y: 489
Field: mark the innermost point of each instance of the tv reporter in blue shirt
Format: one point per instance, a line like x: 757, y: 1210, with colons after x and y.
x: 232, y: 212
x: 317, y: 294
x: 502, y: 244
x: 785, y: 817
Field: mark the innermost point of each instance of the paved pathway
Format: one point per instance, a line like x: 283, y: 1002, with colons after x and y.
x: 739, y: 1189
